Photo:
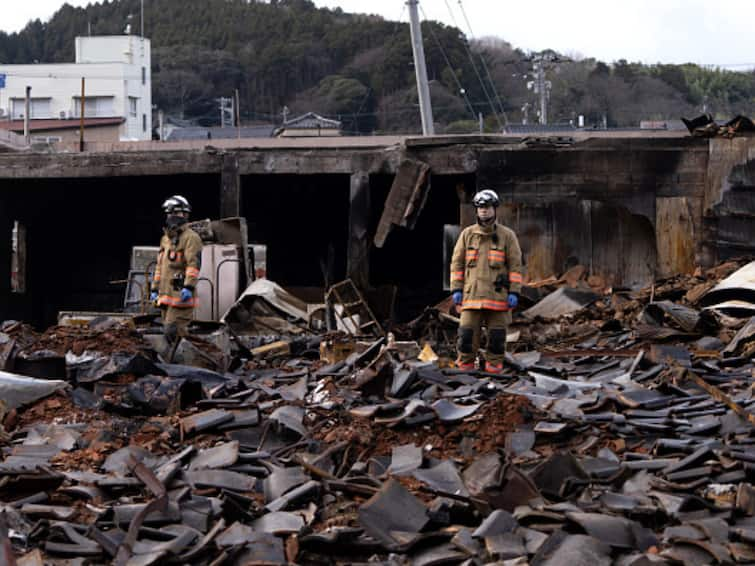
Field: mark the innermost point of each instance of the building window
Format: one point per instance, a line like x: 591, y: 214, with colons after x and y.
x: 144, y: 75
x: 144, y: 122
x: 132, y: 105
x: 95, y: 106
x: 39, y: 108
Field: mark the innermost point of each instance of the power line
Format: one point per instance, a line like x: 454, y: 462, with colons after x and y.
x: 484, y: 64
x: 462, y: 90
x: 469, y: 55
x: 479, y: 78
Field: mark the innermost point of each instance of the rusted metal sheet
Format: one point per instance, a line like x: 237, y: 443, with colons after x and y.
x: 675, y: 236
x: 405, y: 200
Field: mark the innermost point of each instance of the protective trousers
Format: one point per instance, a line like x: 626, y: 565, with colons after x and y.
x: 470, y: 328
x: 176, y: 322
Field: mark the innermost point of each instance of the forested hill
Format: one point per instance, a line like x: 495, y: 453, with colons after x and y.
x: 288, y: 53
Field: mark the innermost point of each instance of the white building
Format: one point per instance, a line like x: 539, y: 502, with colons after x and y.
x: 118, y: 84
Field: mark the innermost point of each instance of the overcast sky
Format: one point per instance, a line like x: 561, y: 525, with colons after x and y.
x: 671, y: 31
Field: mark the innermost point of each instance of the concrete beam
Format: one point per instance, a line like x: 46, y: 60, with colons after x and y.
x: 445, y: 160
x: 127, y: 164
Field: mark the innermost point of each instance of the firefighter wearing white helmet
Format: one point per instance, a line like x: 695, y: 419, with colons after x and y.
x: 177, y: 269
x: 486, y: 279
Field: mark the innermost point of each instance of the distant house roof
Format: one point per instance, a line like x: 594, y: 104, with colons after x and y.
x: 217, y: 133
x: 673, y: 125
x: 538, y: 128
x: 57, y: 124
x: 313, y: 121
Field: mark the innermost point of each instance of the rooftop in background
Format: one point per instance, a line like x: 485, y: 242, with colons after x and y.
x: 645, y: 126
x: 309, y: 125
x: 524, y: 129
x: 312, y: 120
x: 218, y: 133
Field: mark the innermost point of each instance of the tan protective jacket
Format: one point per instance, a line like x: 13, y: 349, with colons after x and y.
x: 178, y: 263
x: 486, y: 265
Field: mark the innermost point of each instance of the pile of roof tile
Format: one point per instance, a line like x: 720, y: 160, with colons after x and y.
x: 624, y: 438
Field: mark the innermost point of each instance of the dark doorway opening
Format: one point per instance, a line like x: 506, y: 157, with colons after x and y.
x: 79, y: 235
x: 303, y: 220
x: 412, y: 260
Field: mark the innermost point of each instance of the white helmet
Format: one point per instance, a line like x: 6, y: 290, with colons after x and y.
x: 176, y: 203
x: 486, y: 197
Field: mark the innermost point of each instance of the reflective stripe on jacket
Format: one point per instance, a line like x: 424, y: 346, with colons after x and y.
x: 486, y: 264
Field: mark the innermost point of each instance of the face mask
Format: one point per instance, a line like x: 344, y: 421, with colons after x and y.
x: 174, y: 221
x: 487, y: 222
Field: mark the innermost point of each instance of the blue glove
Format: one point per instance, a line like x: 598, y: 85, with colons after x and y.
x: 186, y: 294
x: 513, y: 300
x: 457, y: 295
x: 153, y: 296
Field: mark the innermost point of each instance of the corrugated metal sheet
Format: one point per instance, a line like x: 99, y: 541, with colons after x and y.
x: 739, y: 286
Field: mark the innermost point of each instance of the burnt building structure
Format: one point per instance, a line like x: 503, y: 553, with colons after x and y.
x: 629, y: 207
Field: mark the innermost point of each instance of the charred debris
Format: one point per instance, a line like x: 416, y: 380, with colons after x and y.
x: 621, y: 432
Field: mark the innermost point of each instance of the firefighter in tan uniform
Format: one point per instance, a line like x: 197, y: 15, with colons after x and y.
x: 177, y: 270
x: 486, y: 279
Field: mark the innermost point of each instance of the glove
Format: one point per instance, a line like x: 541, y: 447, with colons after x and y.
x: 186, y: 294
x: 513, y: 300
x: 457, y: 295
x: 153, y: 296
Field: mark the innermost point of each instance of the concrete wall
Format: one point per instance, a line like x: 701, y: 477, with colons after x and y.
x: 70, y: 138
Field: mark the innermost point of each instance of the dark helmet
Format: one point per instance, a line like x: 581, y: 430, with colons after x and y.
x: 486, y: 197
x: 176, y: 203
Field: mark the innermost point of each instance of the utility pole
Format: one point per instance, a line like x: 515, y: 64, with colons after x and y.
x: 543, y: 88
x: 227, y: 112
x: 27, y: 116
x: 237, y: 106
x: 420, y: 68
x: 142, y: 19
x: 541, y: 63
x: 540, y: 87
x: 81, y: 119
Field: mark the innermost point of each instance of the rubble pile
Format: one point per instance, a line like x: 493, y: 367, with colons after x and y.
x: 619, y: 433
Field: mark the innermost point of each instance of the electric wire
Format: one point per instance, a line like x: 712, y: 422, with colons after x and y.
x: 482, y: 84
x: 477, y: 72
x: 484, y: 64
x: 479, y: 77
x: 462, y: 90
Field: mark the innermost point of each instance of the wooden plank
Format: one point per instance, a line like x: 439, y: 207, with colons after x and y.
x: 675, y: 236
x: 405, y: 200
